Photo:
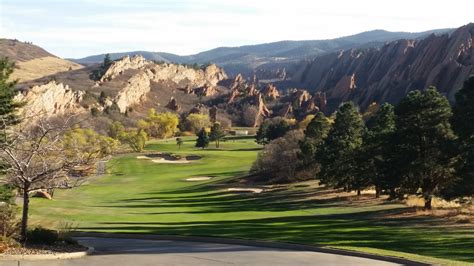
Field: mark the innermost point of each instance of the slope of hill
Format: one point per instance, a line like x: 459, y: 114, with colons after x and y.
x: 249, y: 58
x: 33, y: 62
x: 387, y: 73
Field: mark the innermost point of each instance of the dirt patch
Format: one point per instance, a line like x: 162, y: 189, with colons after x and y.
x: 198, y: 178
x: 245, y: 190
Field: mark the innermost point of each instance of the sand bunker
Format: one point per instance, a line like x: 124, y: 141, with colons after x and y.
x: 198, y: 178
x: 245, y: 190
x: 169, y: 158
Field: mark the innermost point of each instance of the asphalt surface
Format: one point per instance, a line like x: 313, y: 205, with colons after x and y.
x: 114, y: 252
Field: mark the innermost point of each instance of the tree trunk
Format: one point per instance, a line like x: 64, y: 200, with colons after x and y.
x: 358, y: 192
x: 377, y: 192
x: 428, y: 200
x: 24, y: 217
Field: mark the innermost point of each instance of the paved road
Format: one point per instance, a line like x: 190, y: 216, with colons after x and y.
x: 114, y: 252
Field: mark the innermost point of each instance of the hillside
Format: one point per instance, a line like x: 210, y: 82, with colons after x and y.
x: 32, y: 61
x: 270, y: 56
x: 387, y: 73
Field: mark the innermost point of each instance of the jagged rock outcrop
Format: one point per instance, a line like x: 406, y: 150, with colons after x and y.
x: 300, y: 97
x: 134, y: 91
x: 320, y: 100
x: 238, y: 82
x: 251, y: 90
x: 206, y: 90
x: 194, y: 78
x: 173, y: 105
x: 199, y: 109
x: 50, y: 99
x: 119, y: 66
x: 263, y: 111
x: 270, y: 91
x: 388, y: 73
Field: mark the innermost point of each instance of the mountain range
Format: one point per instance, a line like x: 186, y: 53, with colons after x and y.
x: 267, y: 57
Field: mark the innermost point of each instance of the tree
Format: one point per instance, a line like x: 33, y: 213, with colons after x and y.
x: 279, y: 159
x: 315, y: 134
x: 179, y: 142
x: 8, y: 106
x: 203, y: 139
x: 463, y: 125
x: 195, y: 122
x: 272, y: 129
x: 37, y: 157
x: 373, y: 156
x: 135, y: 138
x: 159, y: 125
x: 116, y: 130
x: 425, y: 141
x: 337, y: 154
x: 216, y: 134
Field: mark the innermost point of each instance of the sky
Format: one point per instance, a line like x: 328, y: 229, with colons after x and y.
x: 78, y: 28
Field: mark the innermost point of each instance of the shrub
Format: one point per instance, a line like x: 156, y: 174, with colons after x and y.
x: 41, y: 235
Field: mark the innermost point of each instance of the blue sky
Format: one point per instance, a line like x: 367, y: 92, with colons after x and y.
x: 84, y: 27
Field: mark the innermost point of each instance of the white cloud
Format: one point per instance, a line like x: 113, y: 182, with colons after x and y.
x: 186, y: 27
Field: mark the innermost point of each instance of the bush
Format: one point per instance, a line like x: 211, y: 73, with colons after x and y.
x: 40, y: 235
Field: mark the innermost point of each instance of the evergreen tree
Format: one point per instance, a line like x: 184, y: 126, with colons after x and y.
x: 425, y: 137
x: 8, y: 106
x: 463, y: 125
x: 314, y: 135
x: 337, y: 155
x: 272, y: 129
x: 216, y: 134
x: 373, y: 157
x: 203, y: 139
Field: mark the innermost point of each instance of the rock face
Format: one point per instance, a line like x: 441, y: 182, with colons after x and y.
x: 50, y: 99
x: 263, y: 111
x: 119, y: 66
x: 134, y: 92
x: 270, y: 91
x: 173, y: 105
x: 211, y: 75
x: 388, y: 73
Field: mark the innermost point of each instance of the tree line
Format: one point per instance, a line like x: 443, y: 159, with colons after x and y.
x: 421, y: 146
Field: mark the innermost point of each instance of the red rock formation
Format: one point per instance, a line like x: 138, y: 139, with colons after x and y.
x: 320, y: 100
x: 251, y: 90
x: 262, y: 110
x: 270, y: 91
x: 173, y: 105
x: 386, y: 74
x: 199, y: 109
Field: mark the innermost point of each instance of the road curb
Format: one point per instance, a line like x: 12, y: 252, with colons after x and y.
x: 57, y: 256
x: 255, y: 243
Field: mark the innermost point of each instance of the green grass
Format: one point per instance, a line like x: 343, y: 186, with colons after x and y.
x: 139, y: 196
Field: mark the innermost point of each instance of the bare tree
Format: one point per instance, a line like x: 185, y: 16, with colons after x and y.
x: 37, y: 157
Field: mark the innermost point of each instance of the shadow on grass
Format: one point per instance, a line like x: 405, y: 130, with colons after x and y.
x: 362, y: 230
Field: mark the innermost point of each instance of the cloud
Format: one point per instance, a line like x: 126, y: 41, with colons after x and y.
x: 80, y: 28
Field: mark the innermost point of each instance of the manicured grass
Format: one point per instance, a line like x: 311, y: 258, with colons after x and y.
x: 140, y: 196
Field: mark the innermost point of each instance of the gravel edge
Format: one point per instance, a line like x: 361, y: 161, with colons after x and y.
x: 57, y: 256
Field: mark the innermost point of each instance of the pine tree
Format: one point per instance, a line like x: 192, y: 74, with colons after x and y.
x: 337, y: 155
x: 216, y: 134
x: 463, y: 125
x: 425, y: 137
x: 8, y: 106
x: 315, y: 134
x: 203, y: 139
x: 372, y: 157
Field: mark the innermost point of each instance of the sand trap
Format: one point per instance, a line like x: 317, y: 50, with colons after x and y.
x: 199, y: 178
x: 168, y: 161
x: 169, y: 158
x: 246, y: 190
